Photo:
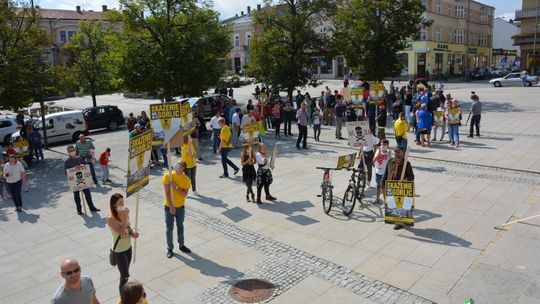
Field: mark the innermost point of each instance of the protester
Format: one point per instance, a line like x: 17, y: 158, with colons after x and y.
x: 393, y: 172
x: 144, y: 121
x: 34, y: 140
x: 400, y: 130
x: 250, y: 106
x: 189, y: 156
x: 440, y: 108
x: 247, y: 159
x: 104, y: 163
x: 133, y: 293
x: 13, y: 174
x: 75, y: 161
x: 288, y: 116
x: 524, y: 77
x: 317, y: 124
x: 224, y: 148
x: 369, y: 152
x: 476, y: 111
x: 424, y: 125
x: 299, y: 99
x: 408, y: 105
x: 330, y: 103
x: 195, y: 138
x: 85, y: 150
x: 131, y: 122
x: 276, y: 119
x: 77, y: 289
x: 235, y: 127
x: 216, y: 130
x: 453, y: 125
x: 301, y: 116
x: 176, y: 187
x: 339, y: 112
x: 3, y: 182
x: 121, y: 232
x: 380, y: 160
x: 264, y: 174
x: 381, y: 122
x: 310, y: 105
x: 137, y: 130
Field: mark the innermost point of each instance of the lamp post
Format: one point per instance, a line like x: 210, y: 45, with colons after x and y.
x: 535, y: 35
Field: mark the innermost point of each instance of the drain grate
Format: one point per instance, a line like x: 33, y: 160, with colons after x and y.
x: 251, y: 290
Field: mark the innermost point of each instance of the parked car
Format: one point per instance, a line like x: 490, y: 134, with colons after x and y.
x: 8, y: 126
x: 480, y: 73
x: 61, y: 127
x: 513, y: 79
x: 109, y: 117
x: 499, y: 72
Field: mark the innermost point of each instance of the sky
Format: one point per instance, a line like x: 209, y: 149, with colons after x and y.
x: 228, y: 8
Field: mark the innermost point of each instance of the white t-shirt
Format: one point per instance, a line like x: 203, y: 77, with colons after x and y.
x: 214, y: 122
x: 382, y: 161
x: 374, y: 141
x: 260, y: 159
x: 15, y: 172
x: 236, y: 119
x: 247, y: 120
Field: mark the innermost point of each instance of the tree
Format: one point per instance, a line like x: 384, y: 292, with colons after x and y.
x: 88, y: 52
x: 286, y: 42
x: 21, y: 46
x: 371, y: 33
x: 171, y: 47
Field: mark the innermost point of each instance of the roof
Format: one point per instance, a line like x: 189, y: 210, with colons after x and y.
x: 46, y: 13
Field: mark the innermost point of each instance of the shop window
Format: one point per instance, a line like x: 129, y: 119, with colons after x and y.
x: 451, y: 64
x: 438, y: 63
x: 326, y: 67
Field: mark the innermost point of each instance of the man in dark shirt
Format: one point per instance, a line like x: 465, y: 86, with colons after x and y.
x: 350, y: 113
x: 393, y: 172
x: 381, y: 122
x: 299, y: 99
x: 339, y: 111
x: 73, y: 161
x: 476, y: 111
x: 288, y: 116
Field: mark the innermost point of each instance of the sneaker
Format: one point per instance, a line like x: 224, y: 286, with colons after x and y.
x: 270, y: 198
x: 236, y: 171
x: 378, y: 202
x: 169, y: 253
x: 18, y: 209
x: 398, y: 226
x: 79, y: 213
x: 368, y: 185
x: 184, y: 249
x: 470, y: 136
x: 95, y: 210
x: 223, y: 176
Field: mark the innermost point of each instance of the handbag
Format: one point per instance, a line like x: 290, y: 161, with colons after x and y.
x: 112, y: 254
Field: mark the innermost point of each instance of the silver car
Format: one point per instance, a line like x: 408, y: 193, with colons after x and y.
x: 513, y: 79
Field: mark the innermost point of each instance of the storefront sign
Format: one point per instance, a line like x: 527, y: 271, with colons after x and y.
x: 473, y: 50
x: 441, y: 47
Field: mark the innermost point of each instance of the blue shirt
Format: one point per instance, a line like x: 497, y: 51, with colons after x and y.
x: 425, y: 99
x: 339, y: 110
x: 424, y: 119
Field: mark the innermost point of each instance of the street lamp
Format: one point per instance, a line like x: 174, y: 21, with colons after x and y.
x: 535, y: 34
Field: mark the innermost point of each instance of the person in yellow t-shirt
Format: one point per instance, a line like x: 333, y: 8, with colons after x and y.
x: 176, y: 188
x: 400, y: 130
x: 225, y: 147
x: 189, y: 156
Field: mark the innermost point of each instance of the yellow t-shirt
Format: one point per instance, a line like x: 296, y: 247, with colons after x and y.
x: 400, y: 128
x: 186, y: 157
x: 183, y: 182
x: 226, y: 136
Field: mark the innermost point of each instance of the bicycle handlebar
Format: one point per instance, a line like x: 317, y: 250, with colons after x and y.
x: 324, y: 168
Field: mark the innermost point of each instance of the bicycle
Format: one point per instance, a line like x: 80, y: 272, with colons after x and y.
x: 355, y: 190
x: 326, y: 188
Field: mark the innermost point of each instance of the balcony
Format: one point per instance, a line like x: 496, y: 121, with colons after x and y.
x: 526, y: 14
x: 521, y: 39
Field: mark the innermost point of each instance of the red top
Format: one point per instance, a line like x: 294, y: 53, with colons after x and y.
x: 104, y: 158
x: 10, y: 151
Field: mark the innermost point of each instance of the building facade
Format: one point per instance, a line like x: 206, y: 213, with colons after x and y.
x: 241, y: 35
x: 528, y: 38
x: 459, y: 40
x: 505, y: 53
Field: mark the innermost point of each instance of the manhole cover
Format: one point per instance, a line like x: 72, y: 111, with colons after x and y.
x: 251, y: 291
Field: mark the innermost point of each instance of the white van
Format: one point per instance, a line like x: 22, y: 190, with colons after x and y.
x: 61, y: 126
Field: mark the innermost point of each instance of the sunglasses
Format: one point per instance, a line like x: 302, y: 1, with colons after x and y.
x: 68, y: 273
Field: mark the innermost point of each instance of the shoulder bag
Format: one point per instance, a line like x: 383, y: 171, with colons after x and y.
x: 112, y: 254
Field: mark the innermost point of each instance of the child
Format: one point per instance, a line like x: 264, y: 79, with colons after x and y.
x: 2, y: 181
x: 379, y: 162
x: 317, y: 124
x: 104, y: 162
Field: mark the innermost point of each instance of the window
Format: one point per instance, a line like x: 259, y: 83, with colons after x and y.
x: 483, y: 19
x: 460, y: 11
x: 483, y: 39
x: 248, y: 39
x: 459, y: 36
x: 438, y: 6
x: 236, y: 40
x: 5, y: 123
x: 437, y: 33
x: 63, y: 37
x: 423, y: 35
x: 70, y: 34
x: 450, y: 38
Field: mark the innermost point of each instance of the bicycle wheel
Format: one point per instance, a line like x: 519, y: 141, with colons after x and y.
x: 360, y: 188
x: 327, y: 197
x: 349, y: 199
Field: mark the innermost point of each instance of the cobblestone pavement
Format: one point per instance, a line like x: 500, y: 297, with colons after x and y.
x: 286, y: 266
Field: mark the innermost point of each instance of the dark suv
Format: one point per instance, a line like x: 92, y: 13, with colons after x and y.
x: 480, y: 73
x: 109, y: 117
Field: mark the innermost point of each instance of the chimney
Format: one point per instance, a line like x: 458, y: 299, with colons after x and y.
x: 37, y: 6
x: 249, y: 10
x: 104, y: 8
x: 258, y: 7
x: 78, y: 9
x: 242, y: 13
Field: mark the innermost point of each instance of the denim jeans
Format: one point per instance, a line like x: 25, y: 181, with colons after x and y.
x: 192, y: 173
x: 216, y: 139
x: 124, y: 260
x: 15, y: 190
x: 38, y: 151
x: 339, y: 124
x: 402, y: 143
x: 88, y: 197
x: 226, y: 161
x: 169, y: 221
x: 454, y: 133
x: 105, y: 171
x: 165, y: 159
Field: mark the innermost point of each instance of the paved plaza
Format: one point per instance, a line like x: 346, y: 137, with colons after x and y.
x: 452, y: 253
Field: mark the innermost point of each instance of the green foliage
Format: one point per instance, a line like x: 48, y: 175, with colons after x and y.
x: 371, y: 33
x: 88, y: 52
x: 173, y: 49
x: 283, y: 48
x: 21, y: 46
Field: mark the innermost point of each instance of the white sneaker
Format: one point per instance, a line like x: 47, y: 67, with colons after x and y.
x: 368, y: 185
x: 195, y: 193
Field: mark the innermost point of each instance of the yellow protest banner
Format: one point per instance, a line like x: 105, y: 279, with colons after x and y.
x: 140, y: 148
x: 346, y: 161
x: 250, y: 134
x: 399, y: 202
x: 453, y: 116
x: 186, y: 116
x: 378, y: 89
x: 438, y: 118
x: 166, y: 120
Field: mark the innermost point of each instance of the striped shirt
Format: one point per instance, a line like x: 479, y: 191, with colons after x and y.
x: 83, y: 149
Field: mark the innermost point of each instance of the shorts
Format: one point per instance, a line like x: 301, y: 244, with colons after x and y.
x: 378, y: 178
x: 424, y: 131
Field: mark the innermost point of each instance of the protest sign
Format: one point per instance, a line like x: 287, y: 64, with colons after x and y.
x: 166, y: 122
x: 186, y: 116
x: 250, y: 134
x: 377, y: 89
x: 140, y: 148
x: 346, y: 161
x: 453, y: 116
x: 358, y: 132
x: 21, y: 147
x: 357, y: 94
x: 438, y: 118
x: 79, y: 178
x: 347, y: 93
x: 399, y: 202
